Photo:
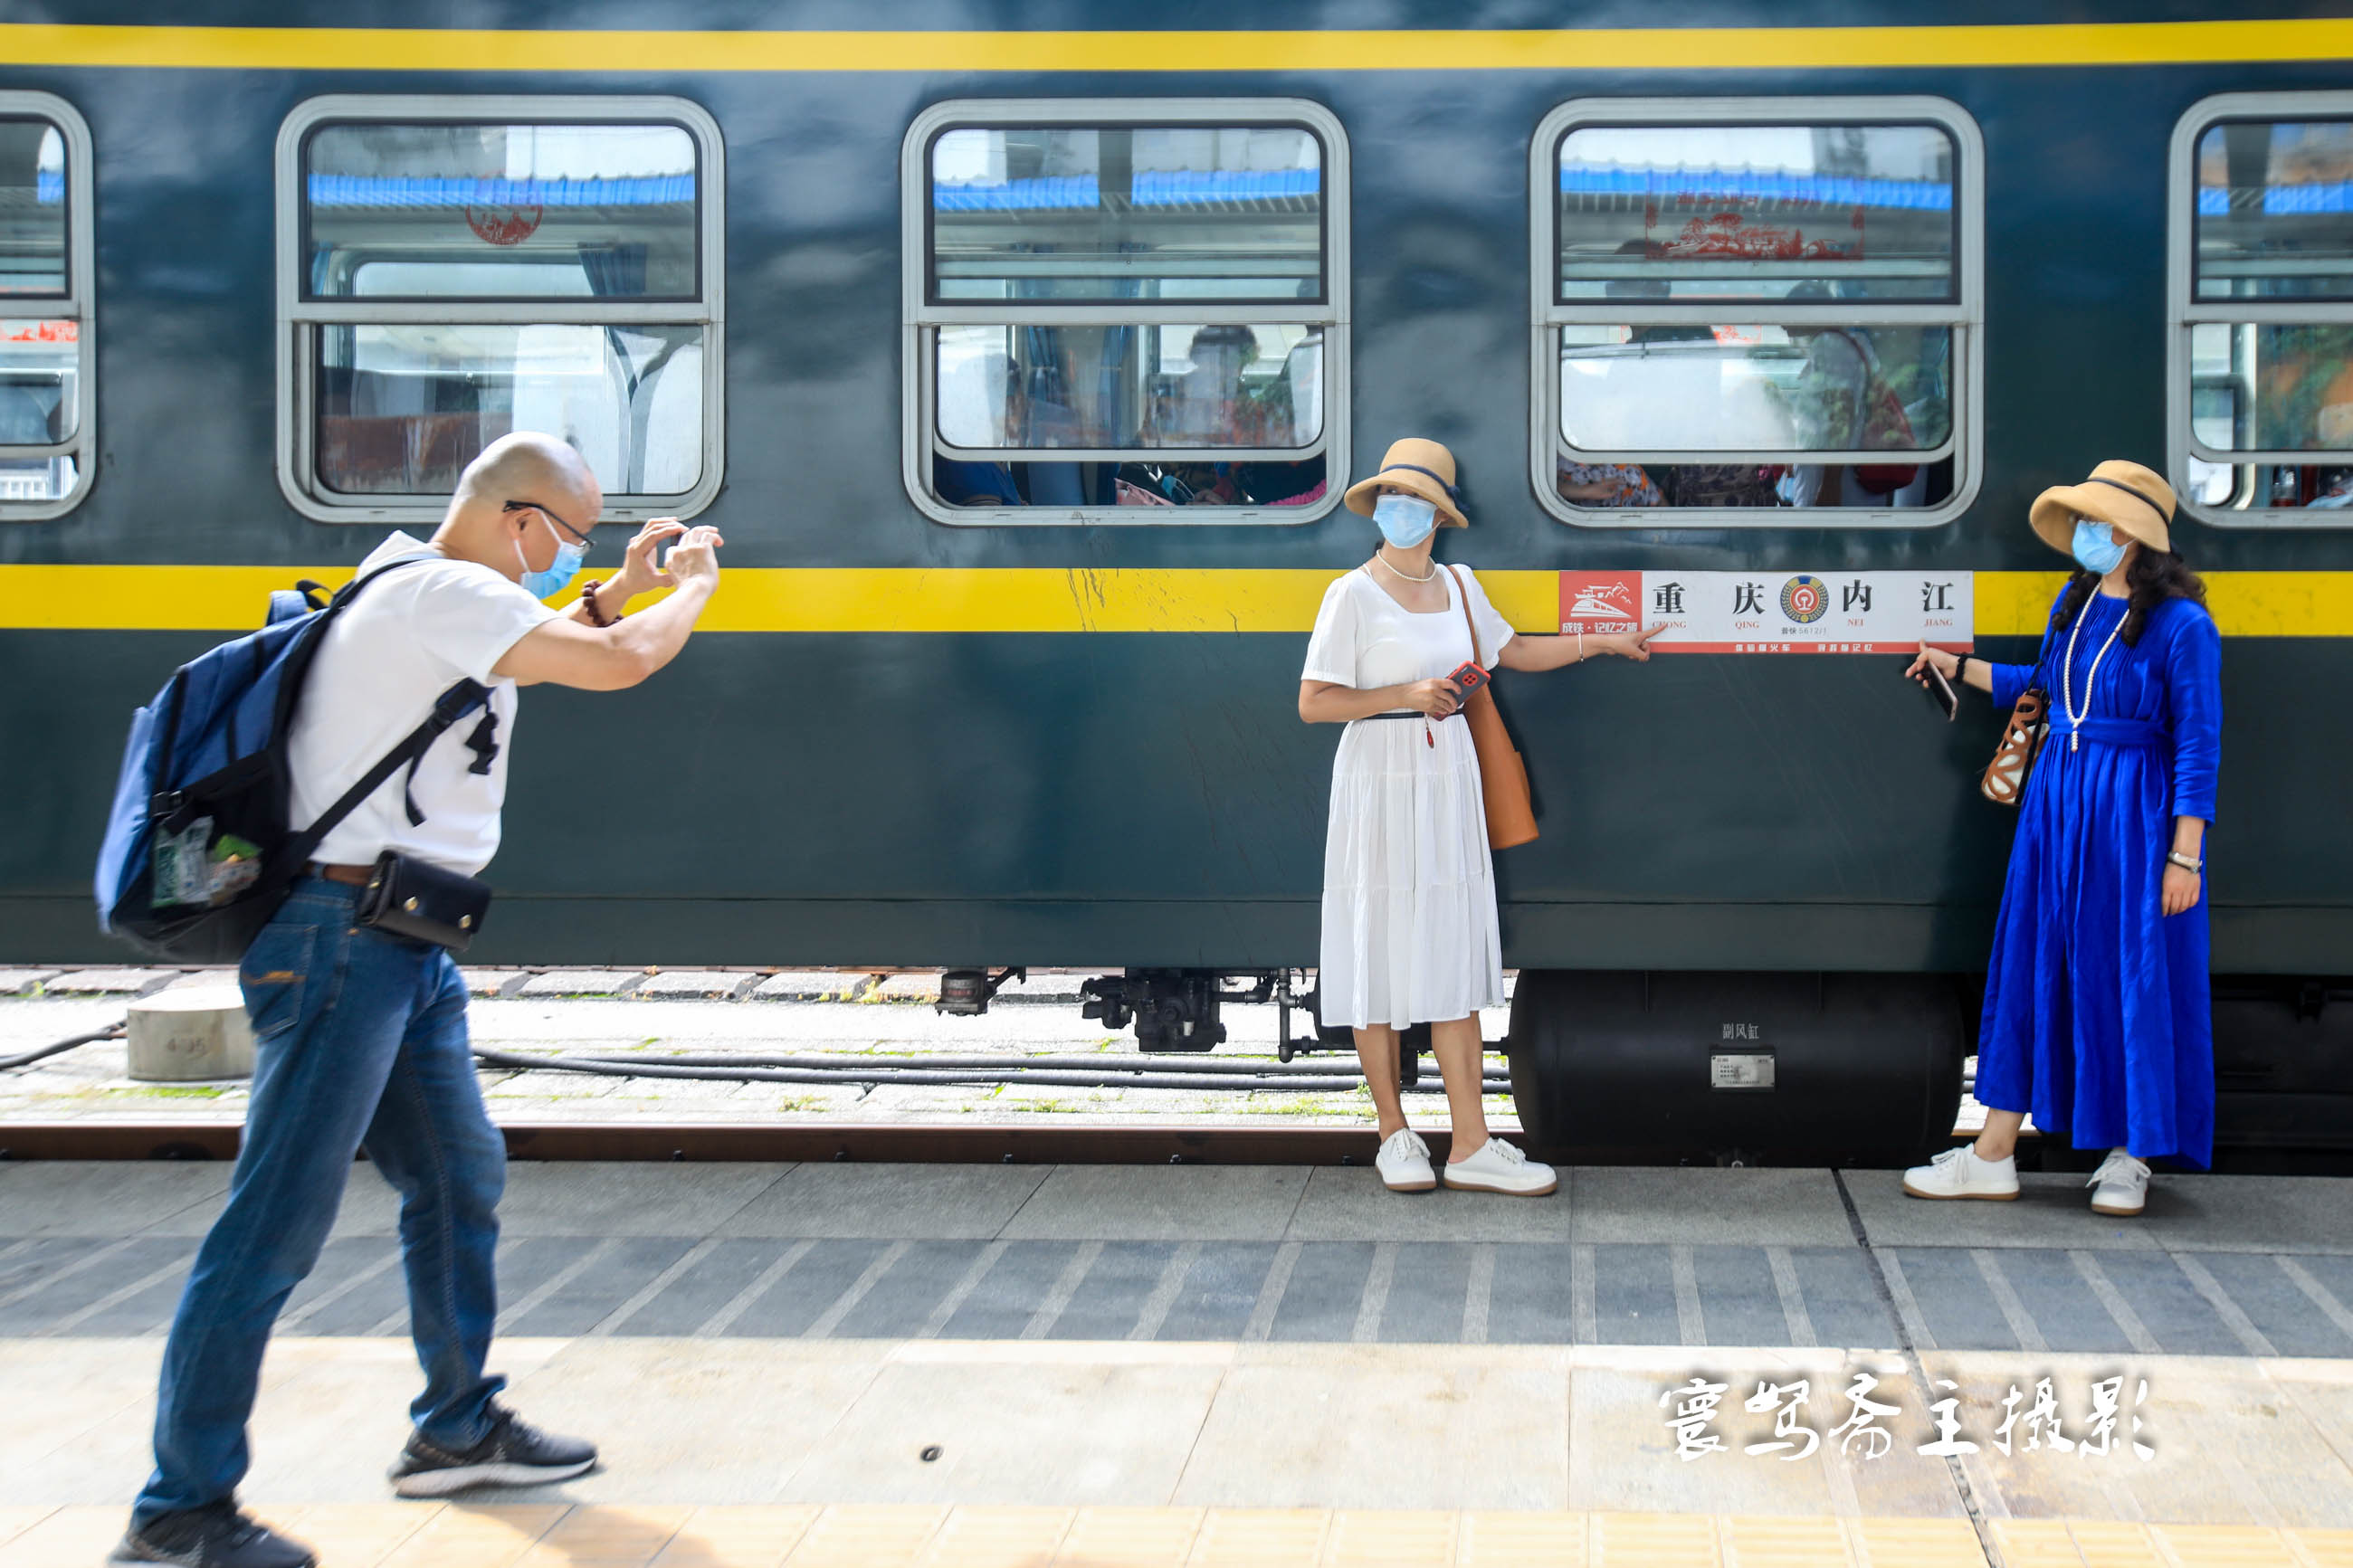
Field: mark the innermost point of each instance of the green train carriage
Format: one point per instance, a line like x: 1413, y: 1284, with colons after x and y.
x: 1022, y: 370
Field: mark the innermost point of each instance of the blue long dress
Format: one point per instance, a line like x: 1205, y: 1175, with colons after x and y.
x: 2097, y: 1015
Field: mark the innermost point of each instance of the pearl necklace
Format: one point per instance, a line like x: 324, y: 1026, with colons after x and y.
x: 2067, y: 672
x: 1426, y: 577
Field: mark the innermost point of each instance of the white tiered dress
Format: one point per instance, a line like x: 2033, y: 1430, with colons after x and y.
x: 1409, y: 931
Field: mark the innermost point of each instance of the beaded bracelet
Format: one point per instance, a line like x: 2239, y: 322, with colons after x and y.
x: 597, y: 617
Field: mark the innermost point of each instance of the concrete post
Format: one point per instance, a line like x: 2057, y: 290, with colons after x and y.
x: 176, y: 1037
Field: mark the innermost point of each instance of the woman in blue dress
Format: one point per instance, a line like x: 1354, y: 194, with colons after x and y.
x: 2096, y: 1010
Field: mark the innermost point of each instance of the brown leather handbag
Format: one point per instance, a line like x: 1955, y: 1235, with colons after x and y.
x: 1503, y: 774
x: 2021, y: 740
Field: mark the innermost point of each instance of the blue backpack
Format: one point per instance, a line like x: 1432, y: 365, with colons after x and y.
x: 199, y: 852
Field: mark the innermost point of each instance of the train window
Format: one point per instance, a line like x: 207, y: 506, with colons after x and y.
x: 1747, y: 307
x: 2261, y: 280
x: 1120, y: 312
x: 48, y: 402
x: 1107, y: 212
x: 471, y: 211
x: 453, y: 269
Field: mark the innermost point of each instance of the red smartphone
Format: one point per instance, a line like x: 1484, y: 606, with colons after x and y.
x: 1468, y: 678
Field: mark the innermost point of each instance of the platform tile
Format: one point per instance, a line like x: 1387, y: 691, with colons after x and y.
x: 2036, y: 1543
x: 813, y: 986
x: 1655, y: 1540
x: 1514, y: 1540
x: 606, y: 1534
x: 66, y: 1538
x: 2325, y: 1548
x: 476, y: 1536
x: 17, y: 1518
x: 1260, y: 1537
x: 688, y: 984
x: 1130, y: 1538
x: 356, y: 1534
x: 738, y: 1536
x: 2215, y: 1546
x: 1766, y: 1541
x: 109, y: 982
x: 999, y: 1538
x: 495, y: 981
x: 560, y: 982
x: 376, y: 1535
x: 1391, y: 1540
x: 868, y: 1535
x: 1914, y: 1543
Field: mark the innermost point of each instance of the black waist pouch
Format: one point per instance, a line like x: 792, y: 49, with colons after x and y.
x: 423, y: 902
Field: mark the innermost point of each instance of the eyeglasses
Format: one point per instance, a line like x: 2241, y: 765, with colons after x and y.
x: 548, y: 514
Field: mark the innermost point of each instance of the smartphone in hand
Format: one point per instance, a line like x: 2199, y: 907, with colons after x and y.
x: 1468, y: 678
x: 1940, y: 691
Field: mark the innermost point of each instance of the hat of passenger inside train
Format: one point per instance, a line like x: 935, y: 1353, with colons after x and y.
x: 2123, y: 495
x: 1424, y: 468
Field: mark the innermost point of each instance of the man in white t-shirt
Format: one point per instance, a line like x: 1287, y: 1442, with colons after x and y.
x: 361, y: 1034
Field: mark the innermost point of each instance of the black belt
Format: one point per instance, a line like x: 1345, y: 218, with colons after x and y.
x: 1404, y: 715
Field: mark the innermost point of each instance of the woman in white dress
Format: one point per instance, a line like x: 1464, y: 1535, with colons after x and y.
x: 1409, y: 931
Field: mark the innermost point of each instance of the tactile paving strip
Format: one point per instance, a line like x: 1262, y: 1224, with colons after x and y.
x: 2152, y: 1301
x: 397, y: 1535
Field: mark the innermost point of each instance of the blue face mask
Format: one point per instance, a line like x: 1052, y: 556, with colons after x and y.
x: 2097, y: 550
x: 1405, y: 521
x: 569, y: 556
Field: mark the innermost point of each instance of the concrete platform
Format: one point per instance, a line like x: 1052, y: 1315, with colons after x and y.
x: 919, y: 1536
x: 2221, y: 1265
x: 1191, y: 1365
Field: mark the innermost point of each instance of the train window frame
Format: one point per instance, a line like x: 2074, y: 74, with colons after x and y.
x: 2185, y: 312
x: 78, y: 304
x: 301, y: 318
x: 922, y: 316
x: 1963, y: 315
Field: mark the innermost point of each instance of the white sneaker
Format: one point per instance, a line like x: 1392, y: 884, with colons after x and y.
x: 1959, y: 1174
x: 1403, y: 1163
x: 1498, y: 1167
x: 2120, y: 1184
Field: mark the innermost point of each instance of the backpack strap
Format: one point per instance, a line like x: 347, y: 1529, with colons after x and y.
x: 483, y: 742
x: 448, y: 708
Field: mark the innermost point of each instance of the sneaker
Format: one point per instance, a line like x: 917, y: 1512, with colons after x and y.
x: 2120, y: 1184
x: 515, y: 1454
x: 1403, y: 1163
x: 1497, y: 1167
x: 217, y: 1535
x: 1961, y: 1174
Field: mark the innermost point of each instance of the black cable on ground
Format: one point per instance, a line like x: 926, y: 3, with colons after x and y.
x: 1123, y: 1062
x: 607, y: 1067
x: 113, y: 1031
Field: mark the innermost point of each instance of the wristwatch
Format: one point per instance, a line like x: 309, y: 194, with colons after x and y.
x: 2175, y: 857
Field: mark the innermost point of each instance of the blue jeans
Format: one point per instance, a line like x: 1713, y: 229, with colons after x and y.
x: 361, y: 1043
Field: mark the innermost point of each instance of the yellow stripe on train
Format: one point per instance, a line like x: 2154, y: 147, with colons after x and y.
x: 1555, y: 50
x: 1043, y: 599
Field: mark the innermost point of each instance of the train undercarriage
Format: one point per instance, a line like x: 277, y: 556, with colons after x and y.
x: 1785, y: 1068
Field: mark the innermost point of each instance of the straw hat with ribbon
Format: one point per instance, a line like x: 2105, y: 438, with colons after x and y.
x: 2128, y: 497
x: 1423, y: 467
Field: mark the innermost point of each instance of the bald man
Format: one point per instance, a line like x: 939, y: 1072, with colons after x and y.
x: 361, y: 1034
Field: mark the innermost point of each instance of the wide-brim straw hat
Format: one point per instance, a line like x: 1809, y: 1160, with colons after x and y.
x: 2124, y: 495
x: 1424, y: 468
